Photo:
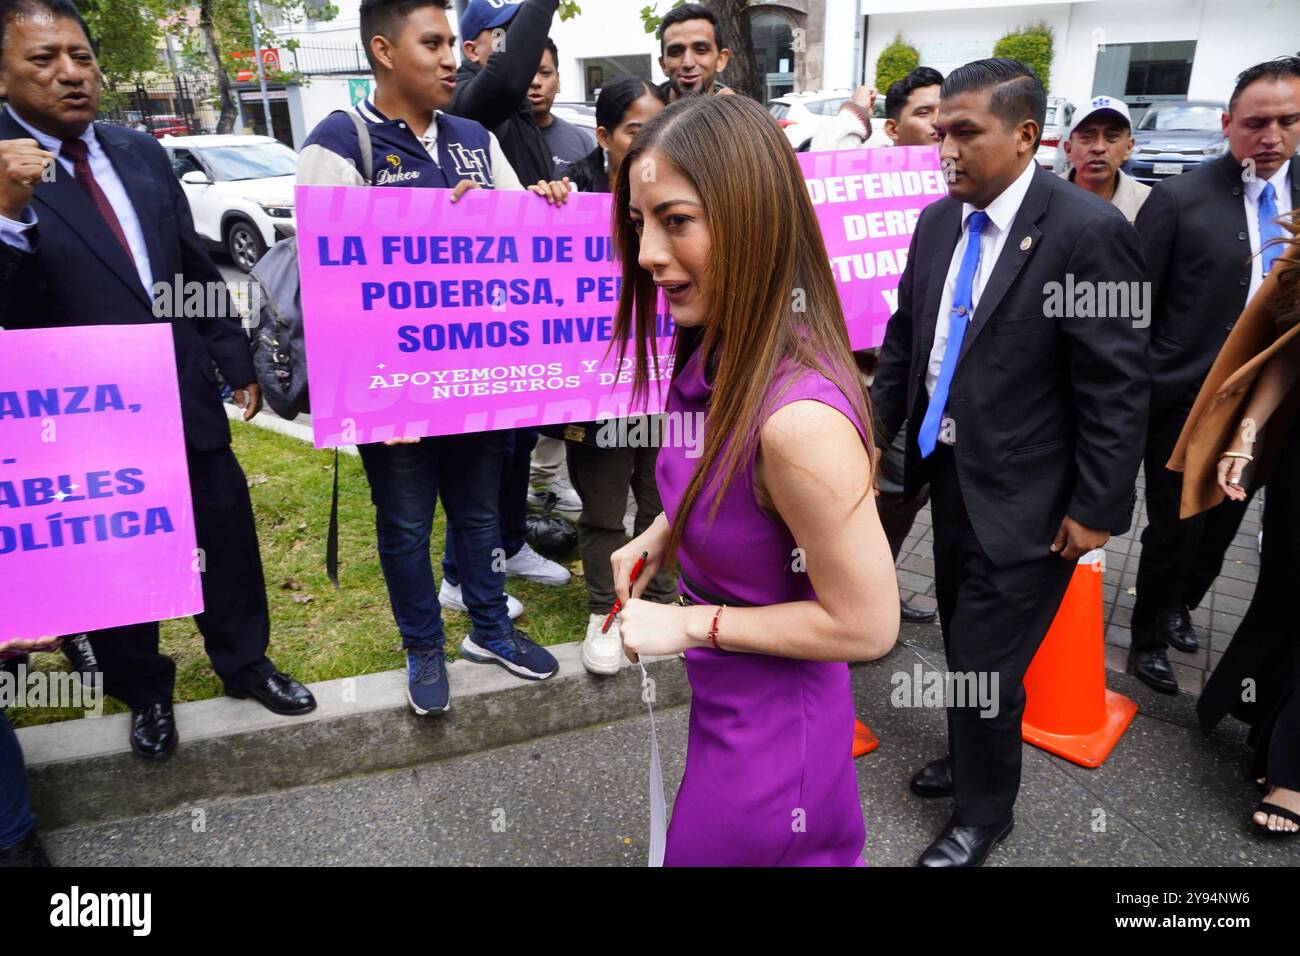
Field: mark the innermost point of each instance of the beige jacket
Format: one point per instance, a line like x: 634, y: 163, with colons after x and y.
x: 1216, y: 416
x: 1129, y: 194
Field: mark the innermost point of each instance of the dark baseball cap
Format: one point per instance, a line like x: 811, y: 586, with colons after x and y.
x: 483, y: 15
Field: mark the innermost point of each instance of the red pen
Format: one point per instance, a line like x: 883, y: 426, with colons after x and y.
x: 618, y: 605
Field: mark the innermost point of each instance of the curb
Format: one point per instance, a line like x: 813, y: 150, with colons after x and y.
x: 83, y: 771
x: 273, y: 423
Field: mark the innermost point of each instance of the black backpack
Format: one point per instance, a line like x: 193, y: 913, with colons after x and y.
x: 279, y: 358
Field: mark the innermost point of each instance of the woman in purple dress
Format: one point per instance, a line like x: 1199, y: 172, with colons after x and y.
x: 785, y: 573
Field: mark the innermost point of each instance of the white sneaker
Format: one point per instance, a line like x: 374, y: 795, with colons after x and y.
x: 449, y: 596
x: 602, y: 653
x: 566, y: 498
x: 531, y: 566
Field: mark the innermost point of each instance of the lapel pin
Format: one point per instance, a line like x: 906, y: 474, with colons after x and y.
x: 1025, y: 243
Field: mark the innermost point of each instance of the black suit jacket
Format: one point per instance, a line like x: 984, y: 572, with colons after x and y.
x: 78, y: 274
x: 1049, y: 410
x: 1194, y: 237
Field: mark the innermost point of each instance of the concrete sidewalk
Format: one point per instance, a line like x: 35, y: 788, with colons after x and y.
x: 1166, y: 796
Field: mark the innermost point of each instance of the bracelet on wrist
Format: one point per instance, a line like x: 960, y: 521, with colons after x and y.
x: 1237, y: 454
x: 713, y: 628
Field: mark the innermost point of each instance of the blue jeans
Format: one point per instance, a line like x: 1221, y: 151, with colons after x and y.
x: 16, y: 817
x: 513, y: 504
x: 405, y: 482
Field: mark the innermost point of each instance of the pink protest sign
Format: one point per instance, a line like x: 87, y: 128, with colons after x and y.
x: 424, y: 317
x: 96, y: 524
x: 868, y: 201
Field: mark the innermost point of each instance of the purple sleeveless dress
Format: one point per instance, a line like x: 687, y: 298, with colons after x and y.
x: 769, y: 775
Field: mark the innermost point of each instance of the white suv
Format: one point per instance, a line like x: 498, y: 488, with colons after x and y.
x: 240, y: 190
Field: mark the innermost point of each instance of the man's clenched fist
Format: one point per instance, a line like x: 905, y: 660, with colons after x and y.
x: 22, y: 161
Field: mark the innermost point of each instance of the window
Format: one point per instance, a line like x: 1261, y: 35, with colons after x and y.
x: 183, y: 162
x: 773, y: 53
x: 600, y: 70
x: 1203, y: 118
x: 255, y: 161
x: 1144, y: 72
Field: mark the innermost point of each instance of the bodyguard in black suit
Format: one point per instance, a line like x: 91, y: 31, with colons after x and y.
x: 84, y: 246
x: 1201, y: 235
x: 1032, y: 457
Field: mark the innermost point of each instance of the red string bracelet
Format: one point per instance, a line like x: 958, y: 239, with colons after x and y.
x: 713, y: 630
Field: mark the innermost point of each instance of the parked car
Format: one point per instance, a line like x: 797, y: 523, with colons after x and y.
x: 582, y: 115
x: 162, y: 126
x: 801, y: 115
x: 1172, y: 137
x: 240, y: 190
x: 1056, y: 126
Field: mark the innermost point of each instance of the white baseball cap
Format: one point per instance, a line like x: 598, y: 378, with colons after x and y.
x: 1100, y: 104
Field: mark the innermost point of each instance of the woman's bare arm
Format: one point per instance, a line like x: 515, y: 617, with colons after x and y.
x: 816, y: 472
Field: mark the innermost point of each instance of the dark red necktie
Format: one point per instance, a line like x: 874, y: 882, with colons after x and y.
x: 76, y: 150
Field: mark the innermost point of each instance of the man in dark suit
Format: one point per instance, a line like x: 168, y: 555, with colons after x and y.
x: 1026, y: 410
x: 90, y: 217
x: 1204, y: 234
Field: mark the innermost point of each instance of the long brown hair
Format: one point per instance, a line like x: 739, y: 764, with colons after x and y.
x: 773, y: 297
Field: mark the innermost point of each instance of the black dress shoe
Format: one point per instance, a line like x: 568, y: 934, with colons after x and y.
x: 278, y: 693
x: 26, y: 852
x: 934, y: 779
x: 911, y: 614
x: 1152, y: 668
x: 964, y: 846
x: 153, y: 730
x: 1178, y: 631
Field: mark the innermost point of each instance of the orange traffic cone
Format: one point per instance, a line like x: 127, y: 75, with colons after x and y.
x: 864, y: 741
x: 1068, y: 709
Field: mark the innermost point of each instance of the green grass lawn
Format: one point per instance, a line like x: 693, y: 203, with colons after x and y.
x: 317, y: 632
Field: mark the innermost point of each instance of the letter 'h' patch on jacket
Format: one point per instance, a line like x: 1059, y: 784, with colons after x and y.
x: 331, y: 153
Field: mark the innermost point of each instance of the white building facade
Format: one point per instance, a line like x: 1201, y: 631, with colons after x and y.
x: 1140, y: 50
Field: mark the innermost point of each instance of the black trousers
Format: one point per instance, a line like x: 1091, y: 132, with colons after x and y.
x: 236, y: 624
x: 993, y: 619
x: 1180, y: 558
x: 1271, y: 621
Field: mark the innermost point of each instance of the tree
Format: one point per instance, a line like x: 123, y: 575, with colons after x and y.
x: 896, y: 60
x: 1032, y: 46
x: 733, y: 22
x: 126, y: 33
x: 223, y: 30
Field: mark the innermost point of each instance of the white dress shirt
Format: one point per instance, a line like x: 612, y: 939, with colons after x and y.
x: 1002, y: 213
x: 101, y: 167
x: 1250, y: 196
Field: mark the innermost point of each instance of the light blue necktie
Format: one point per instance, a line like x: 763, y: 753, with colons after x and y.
x: 1268, y: 229
x: 958, y: 319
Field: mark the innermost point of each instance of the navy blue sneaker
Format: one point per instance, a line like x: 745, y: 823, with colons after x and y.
x: 427, y: 689
x: 515, y: 652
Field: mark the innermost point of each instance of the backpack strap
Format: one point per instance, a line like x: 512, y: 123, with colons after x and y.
x: 363, y: 141
x: 332, y: 535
